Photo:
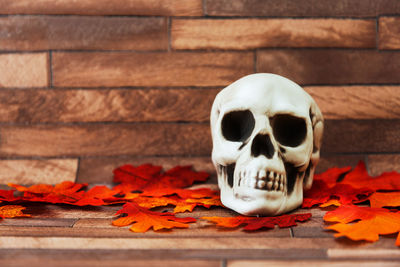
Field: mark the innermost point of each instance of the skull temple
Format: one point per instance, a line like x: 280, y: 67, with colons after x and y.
x: 266, y: 133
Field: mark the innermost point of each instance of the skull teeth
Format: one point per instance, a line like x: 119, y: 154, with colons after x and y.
x: 263, y: 180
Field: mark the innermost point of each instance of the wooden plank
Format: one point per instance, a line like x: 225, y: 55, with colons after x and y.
x: 84, y: 33
x: 331, y: 66
x: 303, y: 8
x: 36, y: 222
x: 176, y: 105
x: 48, y: 171
x: 256, y: 33
x: 117, y: 105
x: 391, y: 254
x: 99, y: 169
x: 175, y: 139
x: 170, y: 254
x: 361, y: 136
x: 110, y: 262
x: 261, y: 263
x: 49, y: 211
x: 106, y: 139
x: 330, y: 161
x: 200, y: 243
x: 389, y: 33
x: 378, y: 164
x: 149, y: 69
x: 24, y: 70
x: 104, y: 7
x: 357, y: 102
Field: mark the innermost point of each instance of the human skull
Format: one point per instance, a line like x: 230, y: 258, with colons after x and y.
x: 266, y: 133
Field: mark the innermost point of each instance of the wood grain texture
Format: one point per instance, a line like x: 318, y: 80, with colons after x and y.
x: 36, y: 222
x: 357, y: 102
x: 126, y: 256
x: 106, y: 139
x: 256, y: 33
x: 24, y: 70
x: 82, y: 33
x: 99, y: 169
x: 97, y: 260
x: 49, y: 171
x: 383, y: 163
x: 332, y: 66
x: 208, y: 243
x: 149, y: 69
x: 306, y: 263
x: 116, y: 105
x: 104, y: 7
x: 303, y: 8
x: 169, y: 139
x: 330, y: 161
x: 177, y: 105
x: 361, y: 136
x: 389, y: 33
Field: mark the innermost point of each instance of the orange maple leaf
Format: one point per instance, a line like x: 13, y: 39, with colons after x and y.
x: 144, y: 219
x: 389, y: 199
x: 68, y: 193
x: 363, y: 223
x: 255, y: 223
x: 11, y: 211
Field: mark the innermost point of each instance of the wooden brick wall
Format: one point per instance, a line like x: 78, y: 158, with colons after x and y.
x: 88, y: 85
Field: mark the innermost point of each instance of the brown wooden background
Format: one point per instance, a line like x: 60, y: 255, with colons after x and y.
x: 88, y: 85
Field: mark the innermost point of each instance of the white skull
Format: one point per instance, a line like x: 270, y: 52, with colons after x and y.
x: 266, y: 133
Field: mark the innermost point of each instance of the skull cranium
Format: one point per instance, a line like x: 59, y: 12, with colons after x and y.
x: 266, y: 133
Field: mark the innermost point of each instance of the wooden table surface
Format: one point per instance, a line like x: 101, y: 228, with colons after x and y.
x: 63, y: 235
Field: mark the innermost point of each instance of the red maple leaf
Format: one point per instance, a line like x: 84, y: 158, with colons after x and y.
x: 8, y: 196
x: 144, y: 219
x: 136, y: 176
x: 68, y: 193
x: 346, y: 187
x: 255, y: 223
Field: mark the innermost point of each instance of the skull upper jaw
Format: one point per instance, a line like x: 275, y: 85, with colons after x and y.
x: 246, y: 198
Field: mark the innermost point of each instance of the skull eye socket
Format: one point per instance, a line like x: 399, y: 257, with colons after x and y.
x: 237, y: 126
x: 289, y: 130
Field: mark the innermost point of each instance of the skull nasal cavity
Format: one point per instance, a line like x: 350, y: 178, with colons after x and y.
x: 262, y: 145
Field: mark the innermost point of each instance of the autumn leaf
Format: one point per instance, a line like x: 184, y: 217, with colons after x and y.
x: 137, y: 176
x: 389, y: 199
x: 340, y: 186
x: 8, y: 196
x: 144, y: 219
x: 11, y: 211
x: 68, y: 193
x: 363, y: 223
x: 183, y: 176
x: 359, y: 178
x: 339, y: 194
x: 147, y: 177
x: 256, y: 223
x: 190, y: 204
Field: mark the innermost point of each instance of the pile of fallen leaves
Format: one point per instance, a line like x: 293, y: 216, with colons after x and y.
x: 141, y: 189
x: 366, y: 206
